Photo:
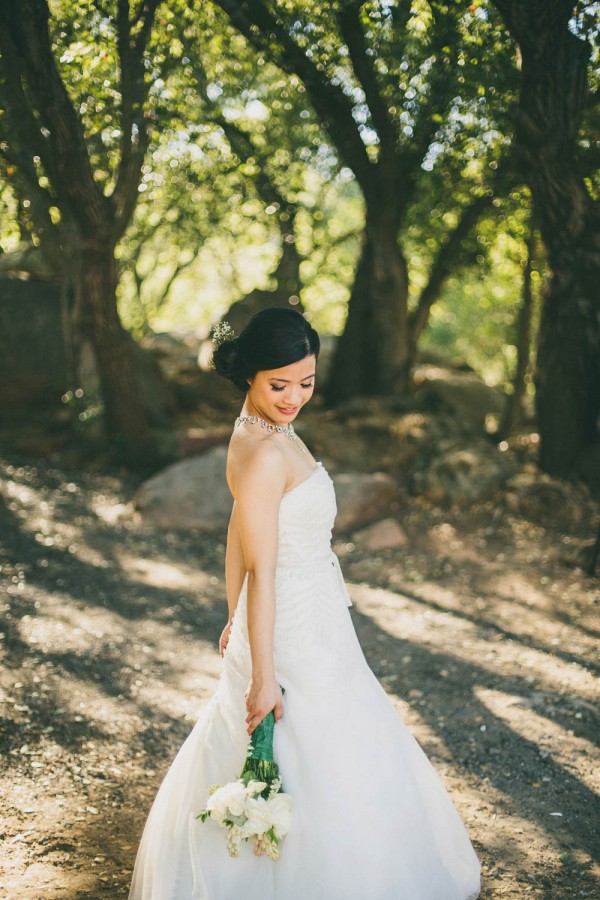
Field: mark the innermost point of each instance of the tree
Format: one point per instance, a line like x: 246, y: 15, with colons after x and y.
x: 395, y: 88
x: 237, y: 164
x: 80, y: 171
x: 514, y: 401
x: 554, y: 64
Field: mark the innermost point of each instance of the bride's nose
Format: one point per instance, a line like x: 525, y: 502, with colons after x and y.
x: 292, y: 397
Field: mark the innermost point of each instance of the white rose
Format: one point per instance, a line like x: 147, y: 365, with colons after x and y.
x: 227, y: 799
x: 259, y: 819
x: 280, y: 813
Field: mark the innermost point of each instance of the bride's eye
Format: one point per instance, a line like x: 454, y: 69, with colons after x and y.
x: 275, y: 388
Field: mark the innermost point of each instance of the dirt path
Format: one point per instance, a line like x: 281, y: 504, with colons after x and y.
x: 484, y: 637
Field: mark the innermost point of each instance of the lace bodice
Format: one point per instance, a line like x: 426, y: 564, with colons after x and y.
x: 311, y: 595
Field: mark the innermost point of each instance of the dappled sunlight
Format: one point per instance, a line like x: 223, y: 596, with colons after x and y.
x: 60, y: 624
x: 468, y: 640
x: 498, y: 593
x: 161, y: 574
x: 579, y: 757
x: 110, y: 510
x: 111, y: 653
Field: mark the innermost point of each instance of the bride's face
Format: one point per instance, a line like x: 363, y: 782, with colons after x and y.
x: 278, y: 395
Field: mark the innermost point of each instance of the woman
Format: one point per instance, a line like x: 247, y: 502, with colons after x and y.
x: 371, y: 819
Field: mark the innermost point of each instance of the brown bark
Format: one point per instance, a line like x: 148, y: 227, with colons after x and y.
x: 514, y: 401
x: 91, y: 223
x: 125, y: 421
x: 372, y: 353
x: 553, y: 90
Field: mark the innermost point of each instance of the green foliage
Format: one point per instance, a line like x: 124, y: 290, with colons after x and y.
x: 9, y: 226
x: 238, y: 157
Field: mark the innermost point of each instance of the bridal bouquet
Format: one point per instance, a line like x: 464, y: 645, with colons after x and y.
x: 253, y: 807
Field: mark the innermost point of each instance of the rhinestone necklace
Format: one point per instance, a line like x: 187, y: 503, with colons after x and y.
x: 288, y: 430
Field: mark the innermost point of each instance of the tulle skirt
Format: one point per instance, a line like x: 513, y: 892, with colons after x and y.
x: 371, y: 818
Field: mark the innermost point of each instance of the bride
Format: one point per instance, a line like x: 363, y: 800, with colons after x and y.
x: 371, y: 819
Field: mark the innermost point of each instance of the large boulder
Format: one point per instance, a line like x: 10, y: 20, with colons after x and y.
x: 192, y: 493
x: 461, y: 474
x: 548, y: 501
x: 387, y: 534
x: 463, y: 394
x: 382, y: 437
x: 33, y: 362
x: 363, y: 498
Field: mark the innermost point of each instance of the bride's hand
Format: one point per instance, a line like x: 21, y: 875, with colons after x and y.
x: 262, y: 696
x: 224, y: 639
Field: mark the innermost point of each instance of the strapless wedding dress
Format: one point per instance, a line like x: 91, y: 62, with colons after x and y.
x: 371, y: 818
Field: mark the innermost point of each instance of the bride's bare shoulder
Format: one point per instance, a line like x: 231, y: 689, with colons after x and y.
x: 258, y: 460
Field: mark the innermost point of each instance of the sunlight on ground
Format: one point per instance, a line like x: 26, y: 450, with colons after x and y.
x: 469, y: 641
x: 162, y: 574
x: 113, y: 653
x: 573, y: 753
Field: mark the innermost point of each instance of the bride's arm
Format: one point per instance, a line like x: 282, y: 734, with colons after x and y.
x: 259, y: 487
x: 235, y: 570
x: 235, y: 565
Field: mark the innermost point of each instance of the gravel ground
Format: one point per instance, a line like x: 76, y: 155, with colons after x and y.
x: 482, y: 630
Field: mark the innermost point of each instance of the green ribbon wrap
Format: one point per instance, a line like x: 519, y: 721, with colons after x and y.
x: 261, y: 742
x: 259, y: 763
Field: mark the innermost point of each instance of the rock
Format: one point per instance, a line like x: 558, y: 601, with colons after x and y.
x: 386, y: 534
x: 460, y: 475
x: 33, y: 362
x: 464, y: 394
x: 548, y: 501
x: 27, y: 262
x: 192, y: 493
x: 158, y: 396
x: 351, y: 448
x: 194, y: 441
x: 382, y: 436
x: 363, y: 498
x: 178, y: 355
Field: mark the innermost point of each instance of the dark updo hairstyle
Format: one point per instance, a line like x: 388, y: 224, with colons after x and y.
x: 273, y: 338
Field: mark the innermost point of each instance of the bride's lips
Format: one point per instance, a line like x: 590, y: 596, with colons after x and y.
x: 287, y: 412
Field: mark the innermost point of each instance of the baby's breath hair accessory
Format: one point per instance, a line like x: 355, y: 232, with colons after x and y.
x: 222, y: 332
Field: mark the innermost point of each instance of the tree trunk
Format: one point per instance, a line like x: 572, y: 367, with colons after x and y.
x: 125, y: 419
x: 372, y: 353
x: 514, y: 401
x: 553, y: 89
x: 287, y: 273
x: 568, y: 364
x: 567, y: 375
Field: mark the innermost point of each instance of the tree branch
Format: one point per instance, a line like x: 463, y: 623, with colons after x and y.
x: 441, y: 90
x: 27, y: 187
x: 134, y: 92
x: 266, y: 32
x: 443, y: 263
x: 353, y: 34
x: 24, y: 32
x: 239, y: 140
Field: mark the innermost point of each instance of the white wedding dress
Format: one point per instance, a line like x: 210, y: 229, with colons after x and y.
x: 371, y: 818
